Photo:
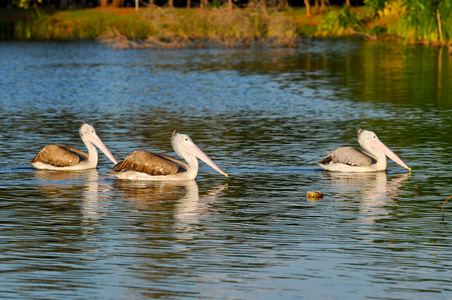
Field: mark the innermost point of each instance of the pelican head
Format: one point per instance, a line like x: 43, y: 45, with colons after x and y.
x: 183, y: 145
x: 369, y: 141
x: 86, y: 129
x: 89, y: 135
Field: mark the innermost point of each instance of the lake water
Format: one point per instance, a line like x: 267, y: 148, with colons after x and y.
x: 264, y: 116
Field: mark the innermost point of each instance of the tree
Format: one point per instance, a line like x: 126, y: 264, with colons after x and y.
x: 117, y: 3
x: 420, y: 20
x: 308, y: 7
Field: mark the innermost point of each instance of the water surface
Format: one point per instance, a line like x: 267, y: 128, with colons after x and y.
x: 264, y: 116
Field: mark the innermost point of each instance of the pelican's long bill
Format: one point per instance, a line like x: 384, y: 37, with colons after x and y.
x: 389, y: 153
x: 95, y: 139
x: 193, y: 149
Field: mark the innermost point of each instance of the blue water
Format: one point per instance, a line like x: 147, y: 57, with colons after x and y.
x: 264, y: 116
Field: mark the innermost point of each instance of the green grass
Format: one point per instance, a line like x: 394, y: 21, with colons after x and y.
x: 68, y: 24
x: 164, y: 27
x: 217, y: 24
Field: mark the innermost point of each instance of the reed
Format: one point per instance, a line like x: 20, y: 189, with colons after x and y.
x: 418, y: 21
x: 172, y: 28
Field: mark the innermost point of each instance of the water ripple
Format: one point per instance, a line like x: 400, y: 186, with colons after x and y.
x: 265, y: 116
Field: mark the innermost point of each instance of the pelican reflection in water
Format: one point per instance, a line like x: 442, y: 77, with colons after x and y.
x: 180, y: 200
x: 373, y: 192
x: 85, y: 186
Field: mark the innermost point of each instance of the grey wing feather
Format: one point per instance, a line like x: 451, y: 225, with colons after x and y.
x: 349, y: 156
x: 151, y: 163
x: 60, y: 156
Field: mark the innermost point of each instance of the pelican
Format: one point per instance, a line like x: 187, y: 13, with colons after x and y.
x: 371, y: 159
x: 145, y: 165
x: 63, y: 157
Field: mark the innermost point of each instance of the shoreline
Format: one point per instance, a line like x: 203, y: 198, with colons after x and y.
x: 128, y: 28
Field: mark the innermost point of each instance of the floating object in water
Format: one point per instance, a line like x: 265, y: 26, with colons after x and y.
x: 314, y: 195
x: 443, y: 206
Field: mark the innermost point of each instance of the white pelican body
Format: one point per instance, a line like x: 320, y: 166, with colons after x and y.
x: 349, y: 159
x: 63, y: 157
x: 145, y: 165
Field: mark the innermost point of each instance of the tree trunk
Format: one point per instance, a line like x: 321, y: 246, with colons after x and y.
x: 116, y: 3
x: 347, y: 2
x: 171, y: 3
x: 103, y: 3
x: 308, y: 8
x: 188, y: 4
x: 35, y: 4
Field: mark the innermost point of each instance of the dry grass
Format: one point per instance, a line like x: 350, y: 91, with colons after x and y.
x: 172, y: 28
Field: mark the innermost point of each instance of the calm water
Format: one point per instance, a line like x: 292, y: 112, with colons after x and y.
x: 264, y: 116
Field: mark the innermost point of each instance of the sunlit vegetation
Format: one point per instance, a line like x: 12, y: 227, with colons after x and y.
x: 417, y: 21
x: 169, y: 28
x: 341, y: 22
x: 66, y: 24
x: 157, y: 27
x: 414, y: 21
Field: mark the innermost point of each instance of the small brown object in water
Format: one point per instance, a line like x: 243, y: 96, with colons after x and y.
x: 445, y: 204
x: 315, y: 195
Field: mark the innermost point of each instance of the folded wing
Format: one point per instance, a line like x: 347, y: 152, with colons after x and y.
x: 151, y: 163
x: 60, y: 156
x: 349, y: 156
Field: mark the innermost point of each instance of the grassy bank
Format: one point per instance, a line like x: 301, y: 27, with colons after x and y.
x: 70, y: 24
x: 169, y: 28
x: 159, y: 27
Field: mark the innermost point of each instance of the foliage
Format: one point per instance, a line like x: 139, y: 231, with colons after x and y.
x: 376, y: 5
x: 25, y: 3
x: 215, y: 3
x: 340, y: 22
x: 418, y: 21
x: 426, y: 21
